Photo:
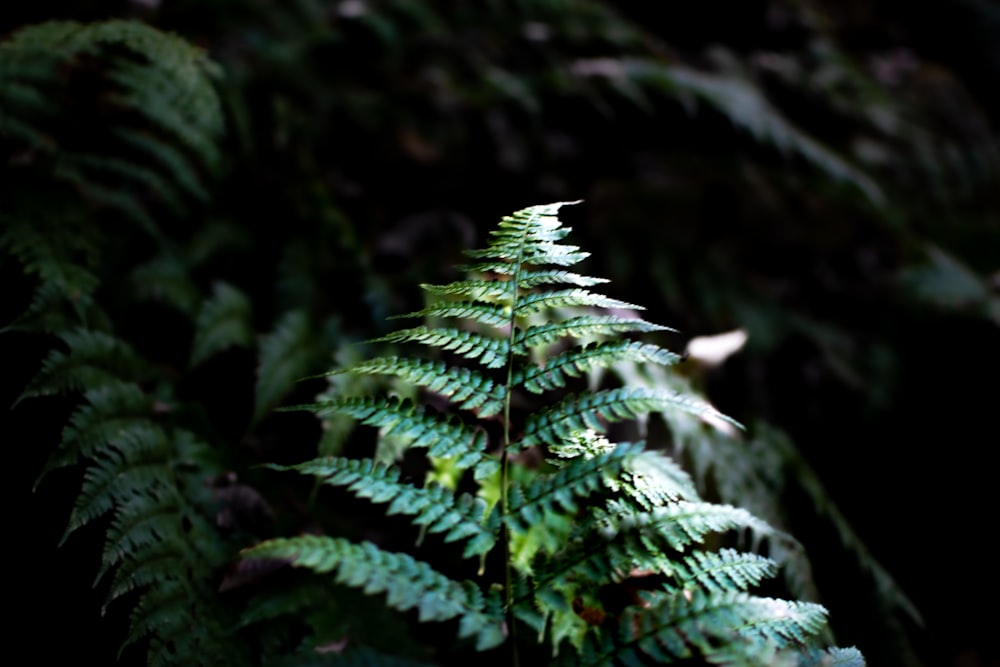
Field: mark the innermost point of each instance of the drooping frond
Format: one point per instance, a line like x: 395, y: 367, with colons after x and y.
x: 436, y: 508
x: 468, y: 389
x: 406, y: 582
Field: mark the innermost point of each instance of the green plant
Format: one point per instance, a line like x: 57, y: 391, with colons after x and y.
x: 582, y: 550
x: 110, y: 132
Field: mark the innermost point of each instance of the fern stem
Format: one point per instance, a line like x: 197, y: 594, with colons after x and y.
x: 504, y: 452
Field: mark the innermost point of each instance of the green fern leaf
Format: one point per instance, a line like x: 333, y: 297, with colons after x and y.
x: 680, y: 524
x: 94, y: 361
x: 654, y: 480
x: 165, y: 279
x: 107, y: 413
x: 497, y: 291
x: 466, y: 388
x: 61, y: 255
x: 528, y: 237
x: 559, y: 492
x: 676, y: 627
x: 135, y: 465
x: 407, y: 583
x: 586, y: 515
x: 576, y: 362
x: 436, y: 508
x: 495, y: 315
x: 533, y: 303
x: 592, y: 411
x: 584, y: 326
x: 285, y: 356
x: 724, y: 570
x: 440, y: 435
x: 529, y: 278
x: 488, y: 351
x: 223, y: 321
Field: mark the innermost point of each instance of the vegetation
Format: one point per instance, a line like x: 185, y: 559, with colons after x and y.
x: 202, y: 203
x: 567, y: 521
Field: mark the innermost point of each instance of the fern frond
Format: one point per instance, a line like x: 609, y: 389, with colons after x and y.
x: 576, y: 298
x: 560, y: 491
x: 679, y: 524
x: 94, y: 361
x: 530, y: 236
x: 466, y: 388
x: 653, y: 480
x: 285, y: 356
x: 143, y: 522
x: 129, y: 468
x: 107, y: 412
x: 63, y: 256
x: 441, y: 435
x: 171, y: 161
x: 407, y: 582
x: 498, y: 291
x: 583, y: 326
x: 834, y: 657
x: 492, y: 314
x: 541, y: 514
x: 489, y: 351
x: 161, y: 90
x: 587, y: 516
x: 529, y: 278
x: 165, y: 279
x: 738, y: 98
x: 723, y: 570
x: 593, y: 410
x: 223, y: 321
x: 576, y: 362
x: 436, y: 508
x: 677, y: 627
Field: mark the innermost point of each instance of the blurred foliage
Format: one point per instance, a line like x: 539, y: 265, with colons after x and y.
x: 820, y: 175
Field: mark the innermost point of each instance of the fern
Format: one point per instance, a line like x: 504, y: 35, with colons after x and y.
x: 584, y: 517
x: 158, y: 92
x: 118, y: 127
x: 158, y: 541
